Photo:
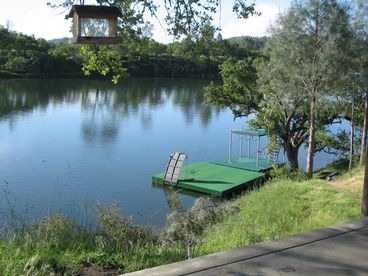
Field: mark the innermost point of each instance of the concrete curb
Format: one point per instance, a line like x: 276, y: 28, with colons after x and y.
x: 253, y: 251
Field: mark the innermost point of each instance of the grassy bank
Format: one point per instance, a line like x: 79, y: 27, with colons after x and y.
x: 280, y: 208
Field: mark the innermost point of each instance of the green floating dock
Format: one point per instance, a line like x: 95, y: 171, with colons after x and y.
x: 246, y: 163
x: 211, y: 178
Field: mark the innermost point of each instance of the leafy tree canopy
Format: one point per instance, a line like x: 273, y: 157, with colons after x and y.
x: 183, y: 17
x: 305, y: 57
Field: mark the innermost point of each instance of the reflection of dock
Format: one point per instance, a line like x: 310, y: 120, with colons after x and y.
x: 210, y: 178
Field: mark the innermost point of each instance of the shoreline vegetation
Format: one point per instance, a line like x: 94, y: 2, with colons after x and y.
x: 285, y: 205
x: 23, y: 56
x: 13, y: 75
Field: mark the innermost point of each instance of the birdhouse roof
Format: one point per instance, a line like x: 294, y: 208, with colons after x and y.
x: 91, y: 11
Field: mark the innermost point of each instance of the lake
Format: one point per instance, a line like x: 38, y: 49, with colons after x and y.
x: 66, y: 145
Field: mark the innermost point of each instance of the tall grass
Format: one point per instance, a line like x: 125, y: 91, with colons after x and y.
x: 55, y: 245
x: 278, y: 209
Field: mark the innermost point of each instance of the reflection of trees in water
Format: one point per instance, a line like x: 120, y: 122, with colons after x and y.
x: 105, y: 105
x: 100, y: 121
x: 146, y: 119
x: 192, y: 104
x: 20, y: 97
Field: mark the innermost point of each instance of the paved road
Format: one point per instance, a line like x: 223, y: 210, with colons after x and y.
x: 337, y: 250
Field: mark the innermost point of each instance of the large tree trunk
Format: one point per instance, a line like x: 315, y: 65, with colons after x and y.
x: 351, y: 154
x: 292, y: 155
x: 365, y: 192
x: 312, y: 137
x: 363, y: 150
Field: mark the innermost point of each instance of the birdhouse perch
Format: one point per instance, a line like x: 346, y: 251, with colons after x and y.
x: 94, y: 24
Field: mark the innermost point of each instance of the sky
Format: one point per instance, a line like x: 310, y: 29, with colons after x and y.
x: 34, y: 17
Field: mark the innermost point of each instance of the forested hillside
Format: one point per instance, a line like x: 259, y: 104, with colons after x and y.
x: 26, y: 56
x: 248, y: 42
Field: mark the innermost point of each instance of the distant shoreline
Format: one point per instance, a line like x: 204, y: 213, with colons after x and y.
x: 80, y: 75
x: 12, y: 75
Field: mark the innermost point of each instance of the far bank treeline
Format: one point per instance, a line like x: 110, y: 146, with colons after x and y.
x: 25, y: 56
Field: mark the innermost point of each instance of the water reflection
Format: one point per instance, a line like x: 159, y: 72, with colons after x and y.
x: 105, y: 104
x: 100, y: 121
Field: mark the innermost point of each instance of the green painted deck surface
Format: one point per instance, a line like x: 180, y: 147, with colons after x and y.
x: 246, y: 163
x: 210, y: 178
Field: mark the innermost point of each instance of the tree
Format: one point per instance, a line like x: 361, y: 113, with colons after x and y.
x: 310, y: 44
x: 268, y: 95
x: 353, y: 98
x: 305, y: 52
x: 285, y: 109
x: 361, y: 28
x: 363, y: 148
x: 361, y: 31
x: 282, y: 116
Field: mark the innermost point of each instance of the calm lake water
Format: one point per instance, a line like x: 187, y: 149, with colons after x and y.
x: 67, y: 144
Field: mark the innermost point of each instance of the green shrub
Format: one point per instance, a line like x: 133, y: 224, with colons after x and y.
x: 185, y: 227
x: 117, y: 233
x: 284, y: 172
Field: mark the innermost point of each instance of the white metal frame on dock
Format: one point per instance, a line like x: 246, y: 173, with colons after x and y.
x: 246, y: 133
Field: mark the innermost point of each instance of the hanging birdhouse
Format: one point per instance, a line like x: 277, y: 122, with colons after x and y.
x: 94, y: 24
